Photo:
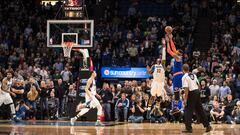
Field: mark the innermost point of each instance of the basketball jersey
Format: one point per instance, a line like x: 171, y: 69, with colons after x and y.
x: 9, y: 84
x: 92, y: 90
x: 177, y: 66
x: 190, y: 81
x: 158, y: 73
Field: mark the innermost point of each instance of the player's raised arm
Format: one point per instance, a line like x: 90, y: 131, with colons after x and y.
x: 164, y: 53
x: 172, y: 43
x: 169, y: 48
x: 175, y: 54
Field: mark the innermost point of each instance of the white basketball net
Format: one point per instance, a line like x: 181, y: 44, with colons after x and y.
x: 67, y: 47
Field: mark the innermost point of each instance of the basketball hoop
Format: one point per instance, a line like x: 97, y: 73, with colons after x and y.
x: 67, y: 47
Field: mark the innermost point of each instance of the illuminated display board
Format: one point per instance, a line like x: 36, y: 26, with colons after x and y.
x: 73, y: 8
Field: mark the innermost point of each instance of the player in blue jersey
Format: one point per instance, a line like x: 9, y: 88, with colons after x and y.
x: 177, y: 67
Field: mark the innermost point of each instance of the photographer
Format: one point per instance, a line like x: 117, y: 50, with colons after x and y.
x: 156, y: 115
x: 21, y: 110
x: 137, y: 113
x: 177, y: 110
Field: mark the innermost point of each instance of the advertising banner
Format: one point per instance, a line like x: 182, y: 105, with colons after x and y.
x: 136, y: 72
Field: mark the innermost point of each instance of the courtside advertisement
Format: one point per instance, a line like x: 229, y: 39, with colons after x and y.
x: 110, y: 72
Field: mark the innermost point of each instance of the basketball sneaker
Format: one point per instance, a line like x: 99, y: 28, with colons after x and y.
x: 98, y: 123
x: 72, y: 121
x: 16, y: 119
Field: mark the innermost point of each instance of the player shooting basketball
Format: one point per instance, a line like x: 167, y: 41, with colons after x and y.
x: 90, y: 101
x: 158, y: 72
x: 177, y: 67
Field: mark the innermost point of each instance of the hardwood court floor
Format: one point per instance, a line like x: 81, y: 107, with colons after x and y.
x: 123, y: 129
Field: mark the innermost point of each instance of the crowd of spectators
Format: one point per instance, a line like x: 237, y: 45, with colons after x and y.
x: 45, y: 82
x: 133, y: 40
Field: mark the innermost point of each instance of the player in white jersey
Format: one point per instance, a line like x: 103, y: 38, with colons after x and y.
x: 5, y: 97
x: 158, y: 81
x: 157, y: 86
x: 90, y: 102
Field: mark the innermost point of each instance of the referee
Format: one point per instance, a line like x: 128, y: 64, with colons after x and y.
x: 192, y: 102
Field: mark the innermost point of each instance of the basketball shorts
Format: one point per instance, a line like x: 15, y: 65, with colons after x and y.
x: 157, y: 89
x: 94, y: 103
x: 5, y: 98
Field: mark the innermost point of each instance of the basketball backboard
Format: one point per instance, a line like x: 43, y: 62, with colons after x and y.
x: 77, y: 31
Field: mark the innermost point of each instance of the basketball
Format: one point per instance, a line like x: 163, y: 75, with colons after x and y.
x: 168, y: 29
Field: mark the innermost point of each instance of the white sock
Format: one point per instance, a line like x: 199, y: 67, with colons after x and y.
x: 13, y: 111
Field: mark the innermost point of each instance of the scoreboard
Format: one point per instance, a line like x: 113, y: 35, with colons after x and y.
x: 74, y: 8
